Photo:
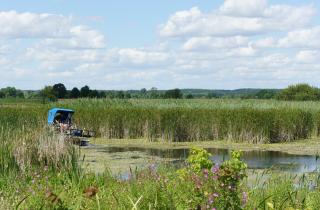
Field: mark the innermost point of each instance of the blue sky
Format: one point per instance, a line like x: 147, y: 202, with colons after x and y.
x: 166, y: 44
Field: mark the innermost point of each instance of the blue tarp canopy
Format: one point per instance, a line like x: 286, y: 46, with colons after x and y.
x: 65, y: 114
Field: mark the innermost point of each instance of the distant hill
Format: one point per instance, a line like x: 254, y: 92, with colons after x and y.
x: 222, y: 93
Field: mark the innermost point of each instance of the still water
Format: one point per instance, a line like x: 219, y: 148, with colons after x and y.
x: 255, y: 159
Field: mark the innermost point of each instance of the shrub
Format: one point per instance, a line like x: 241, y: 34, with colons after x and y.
x: 211, y: 186
x: 299, y: 92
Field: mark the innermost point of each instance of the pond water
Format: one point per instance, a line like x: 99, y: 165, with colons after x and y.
x: 123, y: 157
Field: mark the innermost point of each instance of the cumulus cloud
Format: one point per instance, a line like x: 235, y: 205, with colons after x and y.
x: 249, y: 19
x: 207, y: 42
x: 80, y: 37
x: 33, y: 25
x: 142, y: 57
x: 308, y: 56
x: 244, y: 7
x: 304, y: 38
x: 53, y: 30
x: 247, y: 43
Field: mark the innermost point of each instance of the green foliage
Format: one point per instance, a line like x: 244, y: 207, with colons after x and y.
x: 174, y: 93
x: 199, y: 160
x: 211, y: 186
x: 75, y: 93
x: 11, y: 92
x: 47, y: 93
x: 300, y: 92
x: 60, y: 90
x: 189, y: 96
x: 212, y: 95
x: 266, y: 94
x: 35, y: 175
x: 85, y: 91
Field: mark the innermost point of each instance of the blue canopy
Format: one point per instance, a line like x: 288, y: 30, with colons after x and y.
x: 65, y: 114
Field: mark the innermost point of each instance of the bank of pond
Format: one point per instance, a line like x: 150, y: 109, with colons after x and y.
x: 96, y: 157
x: 200, y: 183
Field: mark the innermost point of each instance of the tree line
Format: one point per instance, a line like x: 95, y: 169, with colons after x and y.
x: 298, y: 92
x: 59, y: 91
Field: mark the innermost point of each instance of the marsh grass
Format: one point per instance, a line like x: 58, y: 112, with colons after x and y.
x: 38, y: 170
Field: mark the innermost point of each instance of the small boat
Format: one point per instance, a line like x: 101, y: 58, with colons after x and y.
x: 61, y: 121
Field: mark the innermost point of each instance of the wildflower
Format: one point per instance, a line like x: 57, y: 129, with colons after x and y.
x: 244, y: 198
x: 215, y: 169
x: 205, y: 173
x: 215, y: 195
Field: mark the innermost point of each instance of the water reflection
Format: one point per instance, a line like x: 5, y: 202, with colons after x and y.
x: 254, y: 159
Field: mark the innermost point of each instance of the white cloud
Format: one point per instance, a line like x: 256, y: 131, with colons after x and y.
x: 80, y: 37
x: 308, y: 56
x: 243, y: 51
x: 264, y: 43
x: 193, y: 22
x: 233, y: 46
x: 142, y: 57
x: 207, y: 42
x: 244, y: 7
x: 33, y: 25
x: 304, y: 38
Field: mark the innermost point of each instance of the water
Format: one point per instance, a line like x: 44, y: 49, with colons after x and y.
x: 255, y: 159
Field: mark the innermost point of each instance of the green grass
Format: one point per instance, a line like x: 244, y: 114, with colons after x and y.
x: 38, y: 170
x: 249, y: 121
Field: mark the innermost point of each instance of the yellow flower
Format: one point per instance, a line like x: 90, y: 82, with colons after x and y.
x: 270, y: 205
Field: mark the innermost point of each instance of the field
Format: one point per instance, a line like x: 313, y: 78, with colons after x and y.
x: 39, y: 170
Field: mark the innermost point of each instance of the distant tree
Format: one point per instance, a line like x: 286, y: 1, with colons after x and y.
x: 47, y: 93
x: 11, y: 92
x: 212, y: 95
x: 174, y: 93
x: 102, y: 94
x: 60, y: 90
x: 127, y: 95
x: 94, y: 94
x: 266, y: 94
x: 299, y: 92
x: 154, y: 92
x: 110, y: 94
x: 2, y: 95
x: 143, y: 93
x: 189, y: 96
x: 75, y: 93
x: 84, y: 91
x: 120, y: 94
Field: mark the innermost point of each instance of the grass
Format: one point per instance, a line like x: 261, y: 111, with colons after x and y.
x: 152, y: 189
x: 39, y: 171
x: 249, y: 121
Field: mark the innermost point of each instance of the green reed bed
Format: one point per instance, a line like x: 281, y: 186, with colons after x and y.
x: 180, y: 120
x: 195, y: 124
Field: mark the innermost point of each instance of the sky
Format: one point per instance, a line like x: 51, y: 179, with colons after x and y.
x: 165, y: 44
